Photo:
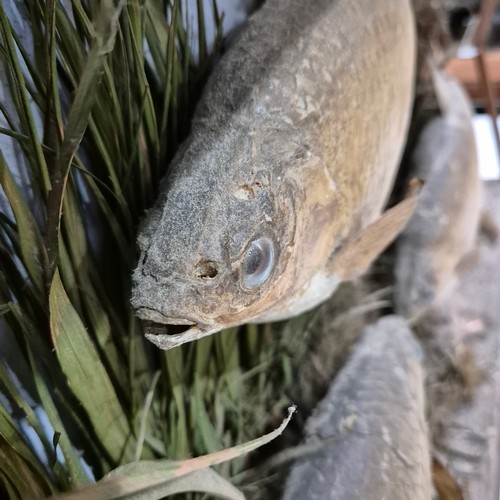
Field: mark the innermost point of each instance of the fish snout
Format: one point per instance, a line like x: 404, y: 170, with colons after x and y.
x: 153, y: 301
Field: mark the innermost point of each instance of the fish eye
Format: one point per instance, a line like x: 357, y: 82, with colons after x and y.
x: 257, y: 263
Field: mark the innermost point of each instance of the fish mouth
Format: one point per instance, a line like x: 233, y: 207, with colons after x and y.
x: 169, y: 335
x: 167, y: 332
x: 154, y: 328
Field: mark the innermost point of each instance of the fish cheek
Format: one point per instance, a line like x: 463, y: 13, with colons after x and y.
x: 267, y: 222
x: 223, y: 300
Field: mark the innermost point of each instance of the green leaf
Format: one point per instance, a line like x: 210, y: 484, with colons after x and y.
x: 201, y: 419
x: 106, y: 26
x: 74, y: 232
x: 72, y: 461
x: 227, y: 348
x: 30, y: 240
x: 87, y: 376
x: 20, y: 94
x: 11, y: 435
x: 178, y: 443
x: 15, y: 397
x: 103, y: 43
x: 144, y: 416
x: 25, y: 482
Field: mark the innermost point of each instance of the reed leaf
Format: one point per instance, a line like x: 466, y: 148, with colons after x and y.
x: 30, y: 240
x: 87, y: 376
x: 78, y: 118
x: 75, y: 473
x: 17, y: 443
x: 20, y: 93
x: 21, y: 480
x: 134, y: 478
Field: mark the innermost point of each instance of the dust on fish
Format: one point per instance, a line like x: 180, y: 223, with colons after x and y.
x: 441, y: 235
x: 276, y: 195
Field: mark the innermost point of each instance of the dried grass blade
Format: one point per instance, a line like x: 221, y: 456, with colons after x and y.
x: 23, y: 99
x: 137, y: 53
x: 52, y: 111
x: 132, y: 479
x: 201, y: 481
x: 171, y: 60
x: 202, y: 36
x: 79, y: 115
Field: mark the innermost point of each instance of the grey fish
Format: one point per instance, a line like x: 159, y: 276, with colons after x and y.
x: 291, y: 157
x: 374, y: 416
x: 442, y: 232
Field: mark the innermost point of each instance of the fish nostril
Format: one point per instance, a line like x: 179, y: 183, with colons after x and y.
x: 205, y: 270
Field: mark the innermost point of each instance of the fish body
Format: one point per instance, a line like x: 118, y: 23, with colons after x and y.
x: 374, y: 417
x: 442, y: 232
x: 293, y: 151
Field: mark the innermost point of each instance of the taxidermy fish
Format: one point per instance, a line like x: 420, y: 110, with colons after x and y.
x: 276, y: 195
x: 374, y: 417
x: 441, y: 234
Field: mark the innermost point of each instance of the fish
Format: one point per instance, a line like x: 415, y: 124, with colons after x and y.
x: 441, y: 235
x: 370, y: 430
x: 292, y: 154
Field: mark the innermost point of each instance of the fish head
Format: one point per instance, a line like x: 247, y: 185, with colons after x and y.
x: 216, y: 249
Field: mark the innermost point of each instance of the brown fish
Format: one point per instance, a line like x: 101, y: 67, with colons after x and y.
x: 292, y: 155
x: 442, y: 232
x: 372, y: 423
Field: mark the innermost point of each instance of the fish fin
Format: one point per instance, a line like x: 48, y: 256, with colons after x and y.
x: 354, y: 258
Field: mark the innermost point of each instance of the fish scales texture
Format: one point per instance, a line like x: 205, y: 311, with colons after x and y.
x: 443, y: 230
x: 375, y: 413
x: 293, y: 150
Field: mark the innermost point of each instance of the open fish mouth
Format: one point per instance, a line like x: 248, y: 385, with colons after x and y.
x: 154, y: 328
x: 169, y: 335
x: 167, y: 332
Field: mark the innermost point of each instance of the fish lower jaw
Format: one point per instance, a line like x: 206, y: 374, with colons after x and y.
x: 167, y: 336
x: 167, y: 332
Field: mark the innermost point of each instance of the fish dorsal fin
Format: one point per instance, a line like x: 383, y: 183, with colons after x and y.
x: 354, y: 258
